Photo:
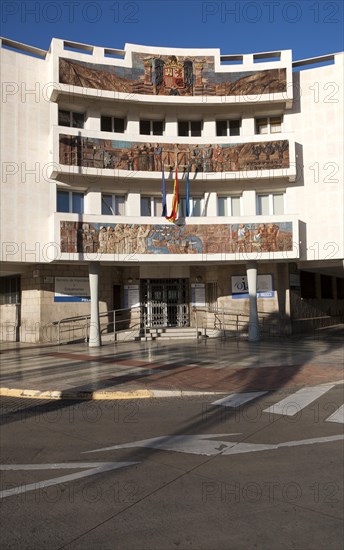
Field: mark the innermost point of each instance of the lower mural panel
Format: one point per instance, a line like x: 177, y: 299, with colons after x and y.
x: 119, y: 238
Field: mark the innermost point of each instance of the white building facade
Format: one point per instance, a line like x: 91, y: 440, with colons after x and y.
x: 91, y: 136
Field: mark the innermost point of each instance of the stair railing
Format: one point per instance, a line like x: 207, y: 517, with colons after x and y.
x: 124, y: 319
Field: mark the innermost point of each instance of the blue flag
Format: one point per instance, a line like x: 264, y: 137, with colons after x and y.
x: 187, y: 199
x: 163, y: 191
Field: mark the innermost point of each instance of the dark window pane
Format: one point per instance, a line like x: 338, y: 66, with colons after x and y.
x: 182, y: 207
x: 146, y: 206
x: 145, y: 127
x: 196, y: 128
x: 107, y: 205
x: 183, y: 128
x: 64, y: 118
x: 10, y: 290
x: 62, y: 201
x: 221, y: 206
x: 78, y: 120
x: 118, y: 125
x: 106, y: 124
x: 326, y: 286
x: 340, y: 288
x: 234, y: 127
x: 158, y: 127
x: 78, y: 203
x: 308, y: 288
x: 221, y: 127
x: 196, y: 207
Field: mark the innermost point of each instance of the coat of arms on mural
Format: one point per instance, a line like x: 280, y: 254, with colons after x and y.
x: 172, y: 76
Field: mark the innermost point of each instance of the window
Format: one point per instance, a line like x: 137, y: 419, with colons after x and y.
x: 269, y: 125
x: 191, y: 128
x: 308, y: 284
x: 340, y: 288
x: 229, y: 206
x: 151, y: 127
x: 151, y: 206
x: 228, y: 127
x: 113, y: 205
x: 326, y: 286
x: 112, y: 124
x: 269, y: 204
x: 9, y: 290
x: 70, y: 201
x: 71, y: 119
x: 195, y: 205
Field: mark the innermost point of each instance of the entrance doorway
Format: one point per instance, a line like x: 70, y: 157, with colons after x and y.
x: 165, y: 302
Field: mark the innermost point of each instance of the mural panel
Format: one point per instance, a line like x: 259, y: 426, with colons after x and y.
x: 119, y: 238
x: 171, y: 75
x: 134, y: 156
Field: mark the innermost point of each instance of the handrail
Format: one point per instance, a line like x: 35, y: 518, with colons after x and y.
x: 85, y: 324
x: 219, y: 321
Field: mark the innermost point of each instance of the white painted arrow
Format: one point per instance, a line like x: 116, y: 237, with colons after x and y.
x: 204, y: 444
x: 337, y: 416
x: 192, y: 444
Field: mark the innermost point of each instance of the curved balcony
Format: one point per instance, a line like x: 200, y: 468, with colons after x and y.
x: 170, y: 75
x: 253, y: 157
x: 142, y: 239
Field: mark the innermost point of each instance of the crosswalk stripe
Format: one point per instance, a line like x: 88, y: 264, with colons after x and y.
x: 236, y: 399
x: 36, y: 363
x: 297, y: 401
x: 337, y: 416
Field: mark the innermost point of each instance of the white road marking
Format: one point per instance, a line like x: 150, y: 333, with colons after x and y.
x: 297, y: 401
x: 337, y: 416
x: 205, y: 445
x: 193, y: 444
x: 237, y: 399
x: 93, y: 469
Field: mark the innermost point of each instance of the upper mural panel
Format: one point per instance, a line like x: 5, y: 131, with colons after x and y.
x: 171, y: 76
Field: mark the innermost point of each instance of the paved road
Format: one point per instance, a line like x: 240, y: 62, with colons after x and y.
x: 258, y: 471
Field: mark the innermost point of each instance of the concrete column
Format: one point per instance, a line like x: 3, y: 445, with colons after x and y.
x: 95, y: 341
x: 253, y: 327
x: 171, y: 125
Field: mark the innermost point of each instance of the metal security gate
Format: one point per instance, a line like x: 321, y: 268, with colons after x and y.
x: 165, y: 302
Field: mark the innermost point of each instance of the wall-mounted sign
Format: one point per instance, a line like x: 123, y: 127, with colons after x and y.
x: 131, y: 296
x: 198, y: 294
x: 265, y: 286
x: 72, y: 289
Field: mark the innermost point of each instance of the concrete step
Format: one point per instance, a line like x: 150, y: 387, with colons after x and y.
x: 169, y: 333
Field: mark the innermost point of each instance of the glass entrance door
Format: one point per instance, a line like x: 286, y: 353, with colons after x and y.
x: 165, y: 302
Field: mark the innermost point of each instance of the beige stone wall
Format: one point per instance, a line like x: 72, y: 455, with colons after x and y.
x: 38, y: 310
x: 9, y: 322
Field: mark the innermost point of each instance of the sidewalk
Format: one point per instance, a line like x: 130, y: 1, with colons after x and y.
x: 162, y: 368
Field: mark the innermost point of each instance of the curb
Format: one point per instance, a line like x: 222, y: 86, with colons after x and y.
x: 115, y: 395
x: 104, y: 396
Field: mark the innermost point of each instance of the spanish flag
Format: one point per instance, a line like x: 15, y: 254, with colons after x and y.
x: 175, y: 201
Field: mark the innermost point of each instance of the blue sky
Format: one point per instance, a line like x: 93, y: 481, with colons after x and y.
x: 309, y: 27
